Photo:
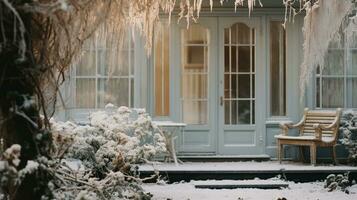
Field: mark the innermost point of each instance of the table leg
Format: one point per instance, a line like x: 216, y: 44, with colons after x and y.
x: 173, y: 151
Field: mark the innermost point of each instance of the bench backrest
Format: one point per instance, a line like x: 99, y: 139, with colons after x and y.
x: 324, y: 117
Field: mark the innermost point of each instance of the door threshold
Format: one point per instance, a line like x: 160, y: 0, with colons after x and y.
x: 221, y: 158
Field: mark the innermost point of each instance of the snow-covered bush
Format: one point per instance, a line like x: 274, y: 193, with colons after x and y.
x: 348, y: 130
x: 11, y: 177
x: 337, y: 182
x: 112, y: 135
x: 92, y: 161
x: 100, y: 154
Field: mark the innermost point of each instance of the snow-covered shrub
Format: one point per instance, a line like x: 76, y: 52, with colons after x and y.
x: 112, y: 134
x: 96, y: 158
x: 337, y: 182
x: 92, y: 161
x: 348, y: 130
x: 11, y: 177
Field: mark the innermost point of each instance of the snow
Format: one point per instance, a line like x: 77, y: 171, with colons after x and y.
x: 187, y: 190
x: 296, y: 191
x: 243, y: 166
x: 306, y: 137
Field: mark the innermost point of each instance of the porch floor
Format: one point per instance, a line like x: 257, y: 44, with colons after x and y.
x: 292, y: 171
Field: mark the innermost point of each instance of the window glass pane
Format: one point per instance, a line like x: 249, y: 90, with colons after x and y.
x: 194, y: 87
x: 114, y: 62
x: 354, y: 61
x: 86, y: 65
x: 318, y: 96
x: 277, y: 69
x: 195, y: 112
x: 227, y: 112
x: 162, y: 71
x: 253, y: 112
x: 240, y: 34
x: 195, y: 35
x: 354, y: 93
x: 244, y: 112
x: 244, y: 59
x: 334, y: 62
x: 195, y: 56
x: 253, y: 58
x: 253, y: 86
x: 85, y: 93
x: 234, y: 58
x: 113, y: 90
x: 132, y: 60
x: 194, y: 81
x: 227, y: 87
x: 244, y: 86
x: 332, y: 92
x: 226, y: 58
x: 234, y: 112
x: 132, y: 84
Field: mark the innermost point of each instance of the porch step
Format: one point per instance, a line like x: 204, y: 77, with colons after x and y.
x: 242, y: 185
x: 244, y: 170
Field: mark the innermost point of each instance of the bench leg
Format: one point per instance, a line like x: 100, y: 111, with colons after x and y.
x: 334, y: 154
x: 313, y: 154
x: 280, y: 152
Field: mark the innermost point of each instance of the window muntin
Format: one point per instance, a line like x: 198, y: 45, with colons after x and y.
x: 105, y: 75
x: 239, y: 75
x: 277, y: 69
x: 336, y: 83
x: 194, y: 77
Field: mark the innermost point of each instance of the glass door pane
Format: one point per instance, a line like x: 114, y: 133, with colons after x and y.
x: 194, y: 77
x: 239, y: 74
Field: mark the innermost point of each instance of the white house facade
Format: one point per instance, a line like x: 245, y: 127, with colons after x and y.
x: 231, y: 77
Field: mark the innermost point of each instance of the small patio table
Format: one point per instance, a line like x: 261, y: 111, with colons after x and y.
x: 169, y: 130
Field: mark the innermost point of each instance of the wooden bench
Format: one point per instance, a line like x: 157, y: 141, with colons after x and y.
x: 317, y: 128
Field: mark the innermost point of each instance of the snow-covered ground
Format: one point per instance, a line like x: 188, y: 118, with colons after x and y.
x: 298, y: 191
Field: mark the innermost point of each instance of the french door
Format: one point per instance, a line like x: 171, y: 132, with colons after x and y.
x: 239, y: 69
x: 218, y: 99
x: 196, y: 69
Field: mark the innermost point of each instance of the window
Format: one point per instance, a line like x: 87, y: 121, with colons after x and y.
x: 194, y: 77
x: 277, y: 69
x: 239, y: 74
x: 105, y: 75
x: 336, y: 83
x: 162, y: 71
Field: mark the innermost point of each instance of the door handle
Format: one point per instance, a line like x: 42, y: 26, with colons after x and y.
x: 221, y: 100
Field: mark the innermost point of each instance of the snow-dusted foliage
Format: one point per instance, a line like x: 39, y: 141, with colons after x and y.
x: 337, y: 182
x: 113, y: 134
x: 322, y: 22
x: 10, y: 176
x: 92, y: 161
x: 101, y: 152
x: 348, y: 129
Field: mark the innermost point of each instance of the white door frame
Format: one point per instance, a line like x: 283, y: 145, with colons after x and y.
x: 243, y: 139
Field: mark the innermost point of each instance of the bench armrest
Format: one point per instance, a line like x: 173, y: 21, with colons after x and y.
x: 285, y: 126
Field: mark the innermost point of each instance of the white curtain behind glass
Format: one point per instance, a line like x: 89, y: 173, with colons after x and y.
x: 105, y: 75
x: 195, y: 75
